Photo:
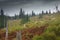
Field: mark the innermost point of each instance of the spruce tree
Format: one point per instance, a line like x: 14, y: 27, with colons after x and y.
x: 21, y: 15
x: 15, y: 16
x: 2, y: 19
x: 33, y: 14
x: 46, y: 12
x: 42, y: 12
x: 25, y: 19
x: 49, y: 11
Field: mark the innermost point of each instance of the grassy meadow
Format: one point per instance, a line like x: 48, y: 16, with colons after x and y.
x: 51, y: 33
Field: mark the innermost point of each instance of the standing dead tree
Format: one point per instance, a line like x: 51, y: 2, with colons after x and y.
x: 6, y: 24
x: 18, y: 36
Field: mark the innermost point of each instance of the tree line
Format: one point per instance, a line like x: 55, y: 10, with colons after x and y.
x: 22, y: 15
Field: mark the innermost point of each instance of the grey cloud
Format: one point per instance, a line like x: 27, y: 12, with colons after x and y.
x: 26, y: 0
x: 13, y: 5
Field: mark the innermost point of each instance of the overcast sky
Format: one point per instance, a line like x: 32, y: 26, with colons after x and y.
x: 12, y: 7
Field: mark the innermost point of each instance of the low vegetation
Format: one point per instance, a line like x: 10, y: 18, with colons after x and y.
x: 51, y: 21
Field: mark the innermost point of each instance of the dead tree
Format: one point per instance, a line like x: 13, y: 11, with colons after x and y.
x: 18, y: 36
x: 6, y: 24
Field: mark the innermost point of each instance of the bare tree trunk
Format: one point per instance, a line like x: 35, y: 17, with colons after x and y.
x: 18, y: 36
x: 6, y: 25
x: 6, y: 38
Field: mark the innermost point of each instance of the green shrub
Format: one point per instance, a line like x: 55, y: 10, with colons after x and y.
x: 49, y: 36
x: 45, y: 36
x: 37, y: 37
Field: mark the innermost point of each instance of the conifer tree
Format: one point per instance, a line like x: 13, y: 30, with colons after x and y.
x: 49, y: 11
x: 42, y: 12
x: 46, y: 12
x: 21, y: 15
x: 57, y: 8
x: 15, y: 16
x: 25, y: 19
x: 2, y: 19
x: 33, y: 14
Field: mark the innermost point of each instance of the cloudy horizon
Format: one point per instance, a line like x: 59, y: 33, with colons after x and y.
x: 12, y: 7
